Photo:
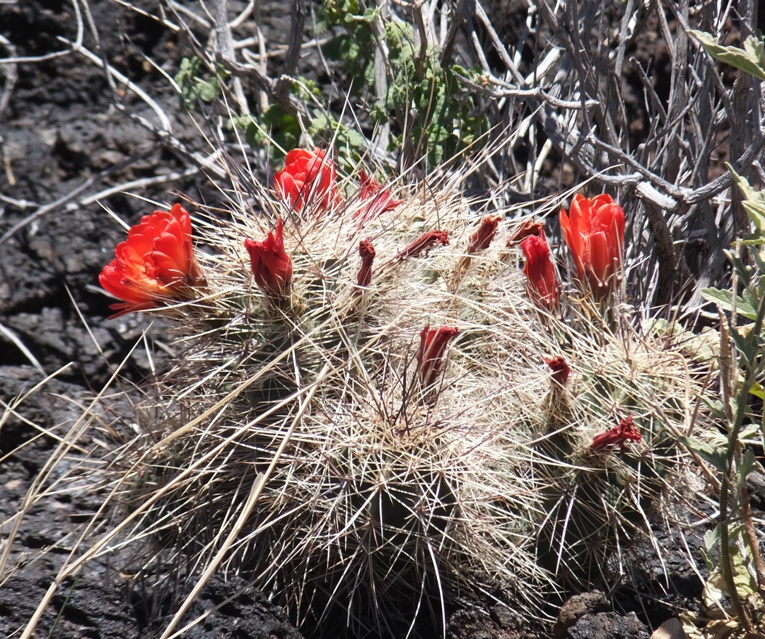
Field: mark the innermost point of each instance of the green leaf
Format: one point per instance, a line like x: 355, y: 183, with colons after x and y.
x: 750, y: 434
x: 724, y: 299
x: 742, y: 579
x: 715, y: 456
x: 743, y: 270
x: 747, y: 466
x: 716, y: 407
x: 304, y: 89
x: 750, y: 59
x: 756, y: 49
x: 712, y: 538
x: 754, y: 202
x: 370, y: 14
x: 193, y: 87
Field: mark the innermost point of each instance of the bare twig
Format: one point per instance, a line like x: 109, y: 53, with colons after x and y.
x: 65, y: 202
x: 297, y: 24
x: 226, y: 49
x: 55, y: 54
x: 11, y: 75
x: 14, y: 339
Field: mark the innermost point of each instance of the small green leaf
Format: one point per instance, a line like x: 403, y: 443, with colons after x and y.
x: 747, y: 466
x: 724, y: 299
x: 716, y: 407
x: 754, y: 201
x: 715, y: 456
x: 750, y: 432
x: 193, y: 87
x: 370, y: 14
x: 744, y: 582
x: 750, y: 59
x: 711, y: 539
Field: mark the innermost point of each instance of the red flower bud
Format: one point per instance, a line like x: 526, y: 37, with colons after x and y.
x: 618, y: 435
x: 271, y: 266
x: 307, y: 177
x: 377, y: 199
x: 594, y: 232
x: 560, y: 369
x: 367, y: 253
x: 423, y: 243
x: 430, y: 357
x: 481, y: 239
x: 541, y: 280
x: 527, y: 229
x: 155, y: 265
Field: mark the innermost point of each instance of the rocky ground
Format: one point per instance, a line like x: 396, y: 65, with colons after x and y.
x: 73, y: 148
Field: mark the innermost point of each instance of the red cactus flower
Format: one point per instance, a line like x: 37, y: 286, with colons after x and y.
x: 481, y: 239
x: 430, y: 357
x: 307, y: 177
x: 594, y: 232
x: 155, y: 265
x: 527, y: 229
x: 541, y: 279
x: 377, y: 199
x: 271, y: 266
x: 560, y: 369
x: 619, y: 435
x: 367, y: 253
x: 424, y: 243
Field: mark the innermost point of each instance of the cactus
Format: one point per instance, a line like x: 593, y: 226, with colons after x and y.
x: 609, y: 447
x: 354, y: 420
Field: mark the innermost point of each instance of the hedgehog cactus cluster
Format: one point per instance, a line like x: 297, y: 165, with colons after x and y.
x: 360, y: 413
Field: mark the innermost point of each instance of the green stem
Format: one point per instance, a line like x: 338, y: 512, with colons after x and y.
x: 726, y: 562
x: 742, y: 397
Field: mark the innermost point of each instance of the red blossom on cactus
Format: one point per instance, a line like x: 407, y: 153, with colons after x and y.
x: 619, y: 435
x: 424, y: 243
x: 527, y: 229
x: 367, y: 254
x: 430, y: 356
x: 481, y: 239
x: 271, y: 266
x: 307, y: 177
x: 155, y: 265
x: 594, y: 232
x: 560, y: 369
x: 375, y: 197
x: 539, y: 269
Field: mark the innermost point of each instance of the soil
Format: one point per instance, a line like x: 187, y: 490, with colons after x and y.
x: 66, y: 141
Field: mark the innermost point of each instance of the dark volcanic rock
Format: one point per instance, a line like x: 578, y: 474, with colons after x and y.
x: 86, y: 609
x: 78, y: 610
x: 588, y: 603
x: 232, y: 609
x: 588, y: 616
x: 490, y: 622
x: 608, y: 625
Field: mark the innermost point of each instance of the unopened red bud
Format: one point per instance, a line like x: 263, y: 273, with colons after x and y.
x: 539, y: 269
x: 619, y: 435
x: 424, y: 242
x: 481, y: 239
x: 527, y: 229
x: 375, y: 198
x: 367, y: 254
x: 271, y: 266
x: 430, y: 357
x: 560, y: 369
